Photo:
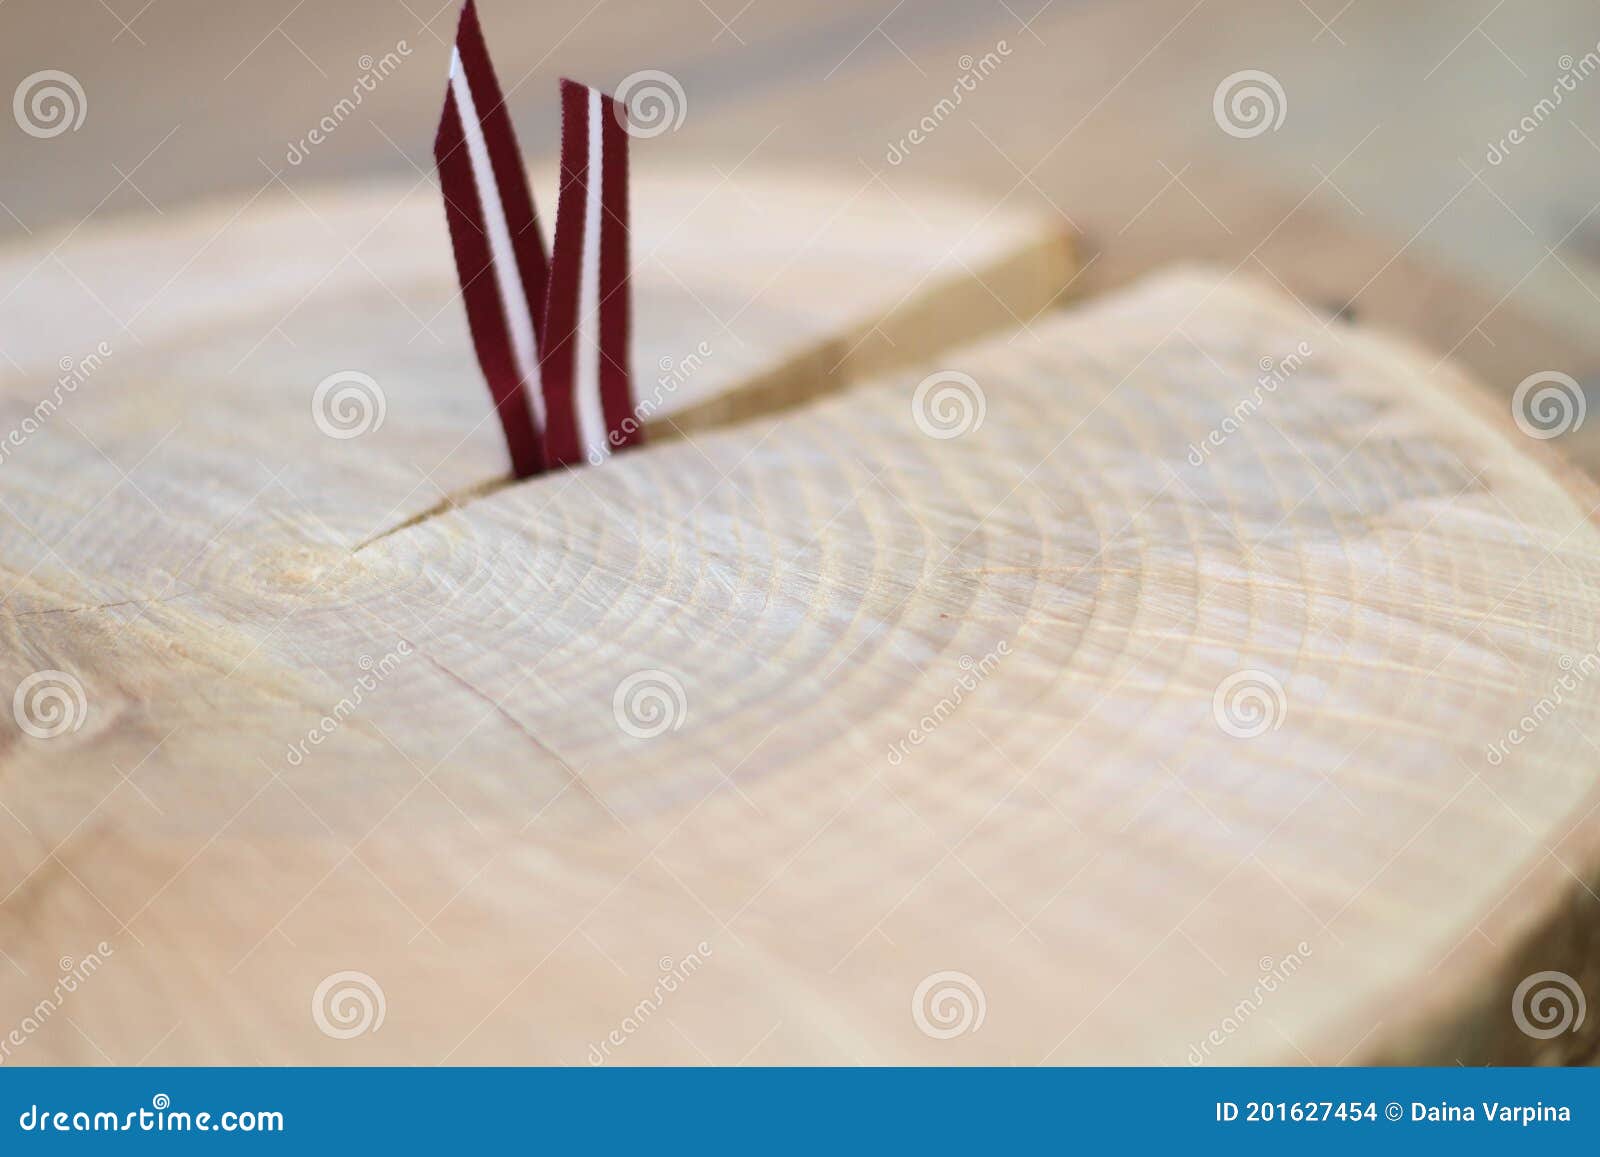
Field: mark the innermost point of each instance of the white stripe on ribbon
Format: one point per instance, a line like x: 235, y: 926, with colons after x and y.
x: 504, y: 258
x: 591, y: 417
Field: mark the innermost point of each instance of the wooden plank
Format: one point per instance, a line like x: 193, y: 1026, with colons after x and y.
x: 935, y: 716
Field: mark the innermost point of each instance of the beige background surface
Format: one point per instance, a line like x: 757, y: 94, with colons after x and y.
x: 1102, y: 113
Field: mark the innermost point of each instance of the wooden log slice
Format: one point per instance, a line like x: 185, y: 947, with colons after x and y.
x: 990, y: 711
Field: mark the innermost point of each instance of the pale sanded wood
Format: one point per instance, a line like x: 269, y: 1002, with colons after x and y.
x: 1078, y: 837
x: 751, y: 290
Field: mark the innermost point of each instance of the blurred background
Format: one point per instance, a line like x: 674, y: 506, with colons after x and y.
x: 1431, y: 166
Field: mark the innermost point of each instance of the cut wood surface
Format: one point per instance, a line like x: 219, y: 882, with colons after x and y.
x: 988, y: 711
x: 751, y: 291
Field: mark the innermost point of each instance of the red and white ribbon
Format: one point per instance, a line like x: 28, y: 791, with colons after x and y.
x: 551, y: 336
x: 587, y: 389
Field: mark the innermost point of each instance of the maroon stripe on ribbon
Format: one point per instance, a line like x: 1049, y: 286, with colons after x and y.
x: 506, y: 159
x: 485, y: 311
x: 558, y: 361
x: 587, y: 401
x: 616, y: 387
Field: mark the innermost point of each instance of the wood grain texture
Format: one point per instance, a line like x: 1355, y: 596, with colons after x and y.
x: 933, y: 706
x: 752, y: 291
